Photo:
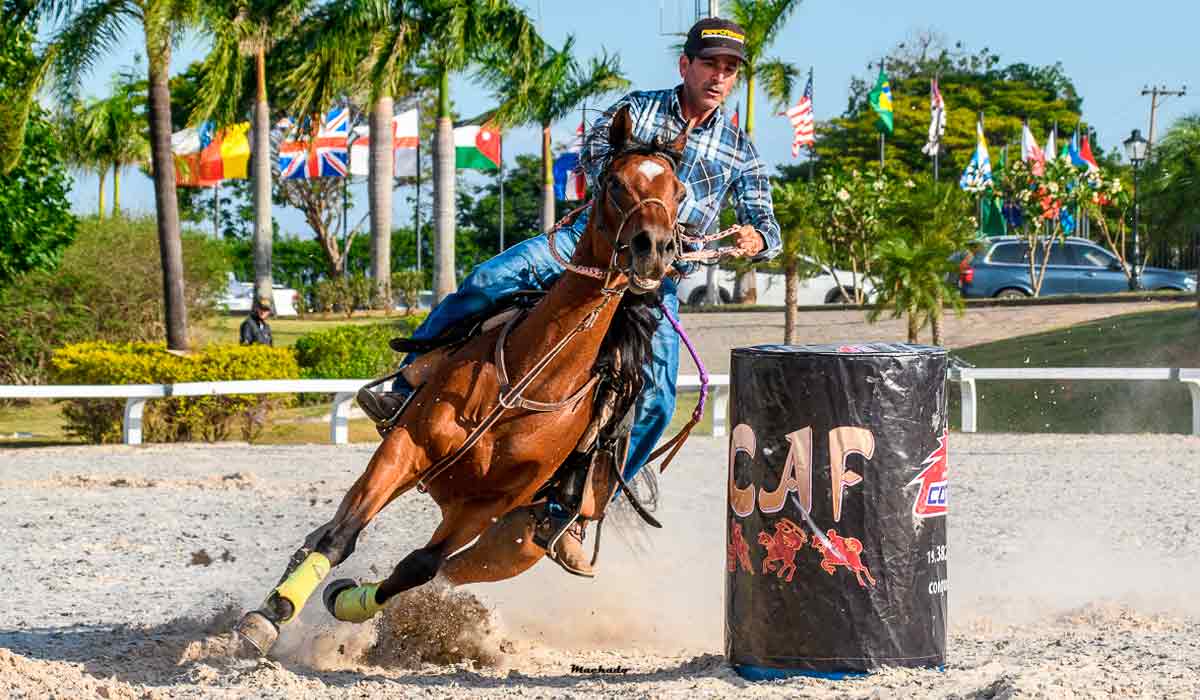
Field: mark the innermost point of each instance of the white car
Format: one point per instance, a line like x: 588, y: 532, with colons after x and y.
x: 812, y: 291
x: 239, y: 296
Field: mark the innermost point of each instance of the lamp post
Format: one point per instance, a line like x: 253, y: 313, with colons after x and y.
x: 1135, y: 151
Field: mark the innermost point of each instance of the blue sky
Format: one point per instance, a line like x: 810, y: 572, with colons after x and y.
x: 1110, y: 49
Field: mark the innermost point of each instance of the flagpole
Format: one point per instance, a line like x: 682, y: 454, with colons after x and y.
x: 501, y: 194
x: 216, y: 211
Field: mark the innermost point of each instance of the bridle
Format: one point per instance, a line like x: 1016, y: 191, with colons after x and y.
x: 614, y: 270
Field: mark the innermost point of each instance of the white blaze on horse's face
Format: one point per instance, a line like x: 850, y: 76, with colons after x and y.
x: 650, y: 169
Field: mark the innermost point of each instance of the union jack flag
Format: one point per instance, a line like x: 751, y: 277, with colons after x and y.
x: 801, y: 117
x: 325, y: 156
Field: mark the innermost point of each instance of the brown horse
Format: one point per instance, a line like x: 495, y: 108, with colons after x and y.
x: 472, y: 439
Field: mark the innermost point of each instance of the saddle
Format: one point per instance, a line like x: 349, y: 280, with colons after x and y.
x: 472, y: 326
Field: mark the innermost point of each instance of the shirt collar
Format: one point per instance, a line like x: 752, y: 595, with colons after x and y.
x: 716, y: 117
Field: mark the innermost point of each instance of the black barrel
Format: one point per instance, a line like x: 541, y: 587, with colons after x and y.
x: 836, y: 522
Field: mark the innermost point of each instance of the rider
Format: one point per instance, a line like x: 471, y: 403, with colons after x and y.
x: 717, y: 159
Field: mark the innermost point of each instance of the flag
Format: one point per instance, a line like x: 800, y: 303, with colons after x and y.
x: 476, y: 147
x: 1032, y: 153
x: 1085, y: 153
x: 186, y: 146
x: 736, y: 118
x: 569, y: 183
x: 978, y: 175
x: 937, y: 120
x: 1048, y: 151
x: 1073, y: 151
x: 801, y: 117
x: 992, y: 223
x: 325, y: 156
x: 405, y: 136
x: 227, y: 156
x: 881, y: 102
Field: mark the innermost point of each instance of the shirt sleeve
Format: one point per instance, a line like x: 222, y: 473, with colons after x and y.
x: 752, y: 200
x: 246, y: 333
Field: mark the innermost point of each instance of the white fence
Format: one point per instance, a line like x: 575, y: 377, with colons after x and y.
x: 967, y: 376
x: 344, y: 390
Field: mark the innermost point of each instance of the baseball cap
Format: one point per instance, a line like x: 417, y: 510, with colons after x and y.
x: 713, y: 36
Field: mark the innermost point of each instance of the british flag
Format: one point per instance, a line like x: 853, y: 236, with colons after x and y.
x: 325, y: 156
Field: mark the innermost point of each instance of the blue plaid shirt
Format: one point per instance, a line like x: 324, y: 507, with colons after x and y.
x: 718, y: 158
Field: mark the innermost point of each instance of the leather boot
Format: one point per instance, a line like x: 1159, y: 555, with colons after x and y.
x: 568, y: 552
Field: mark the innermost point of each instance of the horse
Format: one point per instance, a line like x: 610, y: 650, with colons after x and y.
x: 482, y: 445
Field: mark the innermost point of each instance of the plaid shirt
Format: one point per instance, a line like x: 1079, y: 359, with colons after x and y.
x: 718, y: 158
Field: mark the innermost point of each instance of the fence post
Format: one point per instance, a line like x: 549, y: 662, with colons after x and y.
x: 966, y: 384
x: 131, y: 426
x: 339, y: 418
x: 720, y: 408
x: 1193, y: 385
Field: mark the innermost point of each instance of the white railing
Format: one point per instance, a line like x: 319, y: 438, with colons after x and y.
x: 344, y: 390
x: 967, y: 376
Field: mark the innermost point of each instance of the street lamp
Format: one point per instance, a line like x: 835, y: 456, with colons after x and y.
x: 1135, y: 151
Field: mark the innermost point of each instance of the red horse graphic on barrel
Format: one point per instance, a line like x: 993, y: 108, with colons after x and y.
x: 738, y: 550
x: 847, y: 552
x: 782, y: 547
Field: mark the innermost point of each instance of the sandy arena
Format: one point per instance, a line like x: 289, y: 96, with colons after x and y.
x: 1074, y: 574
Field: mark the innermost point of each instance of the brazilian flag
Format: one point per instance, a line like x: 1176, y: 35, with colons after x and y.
x: 881, y: 102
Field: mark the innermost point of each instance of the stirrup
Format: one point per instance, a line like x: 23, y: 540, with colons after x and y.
x: 369, y: 402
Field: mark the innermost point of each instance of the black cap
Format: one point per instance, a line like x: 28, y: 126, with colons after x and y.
x: 714, y: 36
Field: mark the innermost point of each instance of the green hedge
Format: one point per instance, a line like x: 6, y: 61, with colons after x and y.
x: 178, y: 419
x: 352, y: 351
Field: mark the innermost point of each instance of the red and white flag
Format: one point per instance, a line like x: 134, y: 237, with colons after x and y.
x: 937, y: 120
x: 1031, y: 153
x: 801, y: 117
x: 404, y: 146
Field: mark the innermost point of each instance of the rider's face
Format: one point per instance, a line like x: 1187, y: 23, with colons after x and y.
x: 708, y: 81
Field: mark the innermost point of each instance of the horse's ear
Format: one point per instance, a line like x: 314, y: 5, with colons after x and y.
x: 620, y: 131
x: 680, y: 141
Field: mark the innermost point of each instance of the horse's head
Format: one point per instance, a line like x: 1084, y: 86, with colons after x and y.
x: 638, y: 198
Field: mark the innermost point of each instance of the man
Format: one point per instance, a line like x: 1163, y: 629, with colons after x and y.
x: 255, y: 330
x: 717, y: 159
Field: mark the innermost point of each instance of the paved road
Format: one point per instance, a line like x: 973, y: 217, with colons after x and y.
x: 716, y: 333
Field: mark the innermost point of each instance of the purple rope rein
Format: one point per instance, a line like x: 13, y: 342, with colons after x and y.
x: 687, y: 342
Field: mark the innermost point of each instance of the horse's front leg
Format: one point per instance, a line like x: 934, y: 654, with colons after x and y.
x: 392, y: 470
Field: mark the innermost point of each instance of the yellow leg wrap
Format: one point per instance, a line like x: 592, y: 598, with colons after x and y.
x: 357, y: 604
x: 304, y: 580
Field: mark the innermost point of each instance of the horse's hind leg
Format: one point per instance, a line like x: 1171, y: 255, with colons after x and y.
x: 390, y: 472
x: 462, y: 522
x: 503, y: 551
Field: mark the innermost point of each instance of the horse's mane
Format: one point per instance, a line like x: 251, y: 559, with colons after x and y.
x: 598, y: 155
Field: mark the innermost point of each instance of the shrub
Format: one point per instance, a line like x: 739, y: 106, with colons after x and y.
x: 344, y: 294
x: 178, y: 419
x: 107, y: 287
x: 406, y: 288
x: 349, y: 352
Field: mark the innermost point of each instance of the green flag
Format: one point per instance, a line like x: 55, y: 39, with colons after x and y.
x: 881, y: 102
x: 992, y: 223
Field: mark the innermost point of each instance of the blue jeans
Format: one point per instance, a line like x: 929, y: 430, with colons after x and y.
x: 529, y: 265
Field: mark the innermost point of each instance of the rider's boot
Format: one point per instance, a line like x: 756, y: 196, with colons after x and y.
x: 385, y: 407
x: 567, y: 551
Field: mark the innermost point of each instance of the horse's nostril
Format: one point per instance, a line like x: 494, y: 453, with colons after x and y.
x: 641, y: 243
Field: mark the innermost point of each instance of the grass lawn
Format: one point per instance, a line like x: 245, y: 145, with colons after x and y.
x: 1148, y: 339
x: 285, y: 331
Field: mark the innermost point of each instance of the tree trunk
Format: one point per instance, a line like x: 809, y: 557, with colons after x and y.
x: 263, y: 228
x: 102, y: 176
x: 913, y: 326
x: 170, y: 245
x: 790, y: 294
x: 379, y: 194
x: 935, y: 319
x: 547, y: 181
x: 444, y: 282
x: 746, y: 291
x: 116, y: 210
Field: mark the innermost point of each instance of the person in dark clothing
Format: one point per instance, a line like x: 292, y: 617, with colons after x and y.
x: 255, y: 330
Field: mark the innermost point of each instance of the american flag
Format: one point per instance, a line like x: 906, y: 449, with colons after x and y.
x: 801, y: 116
x: 325, y: 156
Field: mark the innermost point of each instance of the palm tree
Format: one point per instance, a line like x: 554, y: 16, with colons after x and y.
x: 240, y: 30
x: 458, y: 33
x: 83, y: 37
x: 762, y: 21
x: 118, y: 123
x: 84, y: 150
x: 362, y: 48
x: 797, y: 210
x: 1171, y: 184
x: 546, y: 91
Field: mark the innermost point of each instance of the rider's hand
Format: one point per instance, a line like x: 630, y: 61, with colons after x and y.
x: 748, y: 241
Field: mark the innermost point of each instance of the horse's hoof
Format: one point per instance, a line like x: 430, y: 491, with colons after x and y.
x: 334, y: 589
x: 258, y: 631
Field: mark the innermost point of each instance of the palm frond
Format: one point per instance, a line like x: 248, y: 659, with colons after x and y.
x: 778, y: 79
x: 96, y: 29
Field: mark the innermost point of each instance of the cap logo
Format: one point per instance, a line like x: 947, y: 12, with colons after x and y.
x: 722, y: 34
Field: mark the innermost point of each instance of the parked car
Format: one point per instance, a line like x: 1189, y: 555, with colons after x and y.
x: 239, y: 296
x: 1000, y: 268
x: 812, y: 291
